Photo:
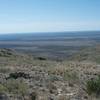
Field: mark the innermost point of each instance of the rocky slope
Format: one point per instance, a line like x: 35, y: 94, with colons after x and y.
x: 23, y: 77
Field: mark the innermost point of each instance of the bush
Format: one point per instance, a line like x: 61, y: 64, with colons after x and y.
x: 4, y: 70
x: 93, y: 86
x: 18, y: 75
x: 71, y: 76
x: 17, y: 87
x: 3, y: 89
x: 41, y: 58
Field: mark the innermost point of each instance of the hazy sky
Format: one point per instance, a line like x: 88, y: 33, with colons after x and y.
x: 49, y: 15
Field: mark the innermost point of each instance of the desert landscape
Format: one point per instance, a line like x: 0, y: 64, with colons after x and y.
x: 55, y: 66
x: 49, y: 49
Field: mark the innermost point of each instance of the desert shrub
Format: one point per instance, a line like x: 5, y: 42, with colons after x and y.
x: 54, y: 78
x: 71, y: 76
x: 3, y: 89
x: 93, y: 86
x: 17, y: 86
x: 4, y: 70
x: 16, y: 75
x: 58, y: 70
x: 41, y: 58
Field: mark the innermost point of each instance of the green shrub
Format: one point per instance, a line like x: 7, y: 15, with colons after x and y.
x: 3, y: 89
x: 17, y: 86
x: 71, y: 76
x: 93, y: 86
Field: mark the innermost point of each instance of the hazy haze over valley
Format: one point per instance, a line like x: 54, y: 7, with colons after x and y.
x: 53, y: 45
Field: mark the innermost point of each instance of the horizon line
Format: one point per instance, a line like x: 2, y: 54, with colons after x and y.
x: 50, y: 32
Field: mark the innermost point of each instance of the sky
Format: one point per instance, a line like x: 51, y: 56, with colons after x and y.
x: 17, y: 16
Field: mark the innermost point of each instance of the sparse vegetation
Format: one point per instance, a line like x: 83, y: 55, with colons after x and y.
x: 18, y: 75
x: 71, y: 76
x: 17, y: 87
x: 3, y: 89
x: 23, y: 76
x: 93, y: 86
x: 4, y: 70
x: 87, y: 54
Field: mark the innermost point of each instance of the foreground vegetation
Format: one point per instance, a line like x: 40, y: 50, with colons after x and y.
x: 23, y: 77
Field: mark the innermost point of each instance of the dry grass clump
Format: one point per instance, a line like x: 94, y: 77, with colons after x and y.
x: 3, y: 88
x: 67, y: 72
x: 5, y: 69
x: 57, y: 70
x: 17, y: 87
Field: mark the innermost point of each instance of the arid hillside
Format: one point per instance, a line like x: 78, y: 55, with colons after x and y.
x: 24, y: 77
